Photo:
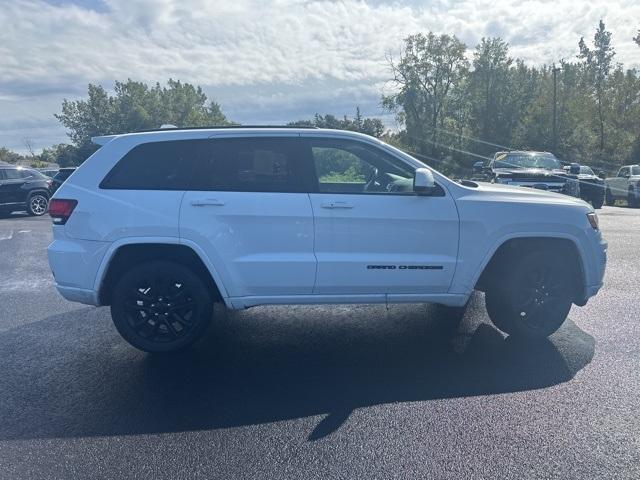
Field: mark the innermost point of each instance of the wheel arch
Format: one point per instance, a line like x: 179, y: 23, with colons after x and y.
x: 39, y: 190
x: 130, y: 252
x: 507, y: 249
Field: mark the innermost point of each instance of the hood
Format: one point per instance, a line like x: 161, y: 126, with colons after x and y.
x: 530, y: 172
x: 529, y: 195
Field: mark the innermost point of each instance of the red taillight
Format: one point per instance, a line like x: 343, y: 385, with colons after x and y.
x: 60, y: 210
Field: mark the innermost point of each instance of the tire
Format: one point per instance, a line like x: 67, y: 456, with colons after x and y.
x: 608, y: 198
x: 632, y: 199
x: 37, y: 204
x: 597, y: 202
x: 533, y: 298
x: 161, y: 307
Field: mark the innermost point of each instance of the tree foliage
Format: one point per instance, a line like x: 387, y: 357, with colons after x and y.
x: 133, y: 106
x: 369, y: 126
x: 454, y: 114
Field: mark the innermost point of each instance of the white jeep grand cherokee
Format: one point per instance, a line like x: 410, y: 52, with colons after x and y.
x: 160, y: 225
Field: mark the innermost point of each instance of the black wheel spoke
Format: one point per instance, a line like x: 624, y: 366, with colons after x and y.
x: 137, y: 307
x: 181, y: 306
x: 154, y: 330
x: 181, y: 320
x: 170, y: 328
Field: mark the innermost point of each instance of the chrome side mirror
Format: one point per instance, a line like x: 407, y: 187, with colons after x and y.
x: 423, y: 182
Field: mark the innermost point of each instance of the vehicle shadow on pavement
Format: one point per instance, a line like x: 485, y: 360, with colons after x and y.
x: 72, y: 376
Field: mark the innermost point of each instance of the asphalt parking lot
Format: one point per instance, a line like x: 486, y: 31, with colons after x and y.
x: 318, y: 392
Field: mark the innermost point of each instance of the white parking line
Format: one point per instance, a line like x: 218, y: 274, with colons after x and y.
x: 6, y: 236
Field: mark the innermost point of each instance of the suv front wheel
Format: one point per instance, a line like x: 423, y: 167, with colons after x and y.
x: 161, y: 306
x: 533, y: 298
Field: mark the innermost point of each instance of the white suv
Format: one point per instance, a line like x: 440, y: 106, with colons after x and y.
x: 160, y: 225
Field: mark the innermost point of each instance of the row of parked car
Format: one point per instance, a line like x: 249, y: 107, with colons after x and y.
x: 23, y: 188
x: 544, y: 171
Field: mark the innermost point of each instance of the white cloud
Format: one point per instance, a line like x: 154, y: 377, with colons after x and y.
x: 273, y: 60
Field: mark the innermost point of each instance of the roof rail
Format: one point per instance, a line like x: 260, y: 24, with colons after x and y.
x: 211, y: 127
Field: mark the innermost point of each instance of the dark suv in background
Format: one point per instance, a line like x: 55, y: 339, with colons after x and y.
x: 23, y: 188
x: 541, y: 170
x: 60, y: 177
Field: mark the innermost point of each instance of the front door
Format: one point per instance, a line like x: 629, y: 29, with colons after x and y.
x: 249, y: 209
x: 373, y: 235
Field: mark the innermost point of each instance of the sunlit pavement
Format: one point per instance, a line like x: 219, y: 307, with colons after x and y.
x: 318, y: 392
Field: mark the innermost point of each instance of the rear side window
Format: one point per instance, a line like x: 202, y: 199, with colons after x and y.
x: 156, y: 166
x: 254, y: 164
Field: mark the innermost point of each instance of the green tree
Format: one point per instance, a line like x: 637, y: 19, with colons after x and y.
x: 598, y: 62
x: 369, y: 126
x: 428, y: 70
x: 489, y: 85
x: 133, y: 106
x: 9, y: 156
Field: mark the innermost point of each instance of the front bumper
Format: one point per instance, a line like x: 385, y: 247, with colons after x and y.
x: 80, y: 295
x: 596, y: 269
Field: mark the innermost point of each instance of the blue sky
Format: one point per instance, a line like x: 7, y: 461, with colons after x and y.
x: 263, y: 61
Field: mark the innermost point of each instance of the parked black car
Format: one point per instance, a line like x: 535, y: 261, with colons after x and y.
x: 24, y: 189
x: 60, y: 178
x: 541, y: 170
x: 591, y: 186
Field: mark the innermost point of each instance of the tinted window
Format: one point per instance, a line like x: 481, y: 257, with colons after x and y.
x: 635, y: 171
x: 253, y: 165
x: 624, y: 172
x: 156, y: 166
x: 347, y: 166
x: 62, y: 175
x: 13, y: 174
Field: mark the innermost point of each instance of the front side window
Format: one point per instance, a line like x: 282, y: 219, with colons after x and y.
x: 253, y: 164
x: 624, y: 172
x: 347, y: 166
x: 156, y: 166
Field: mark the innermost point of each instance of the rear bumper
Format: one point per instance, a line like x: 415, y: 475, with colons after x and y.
x: 74, y: 264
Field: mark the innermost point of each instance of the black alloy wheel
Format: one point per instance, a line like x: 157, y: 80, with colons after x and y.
x: 535, y: 297
x: 161, y: 307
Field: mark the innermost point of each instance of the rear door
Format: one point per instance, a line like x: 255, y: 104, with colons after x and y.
x: 249, y: 209
x: 373, y: 234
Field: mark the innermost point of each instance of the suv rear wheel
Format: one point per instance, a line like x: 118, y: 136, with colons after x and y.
x: 533, y: 298
x: 37, y: 204
x: 161, y: 306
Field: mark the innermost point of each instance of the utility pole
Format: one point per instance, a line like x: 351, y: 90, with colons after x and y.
x: 555, y: 106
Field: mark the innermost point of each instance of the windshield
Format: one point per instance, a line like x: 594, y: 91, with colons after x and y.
x: 527, y: 160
